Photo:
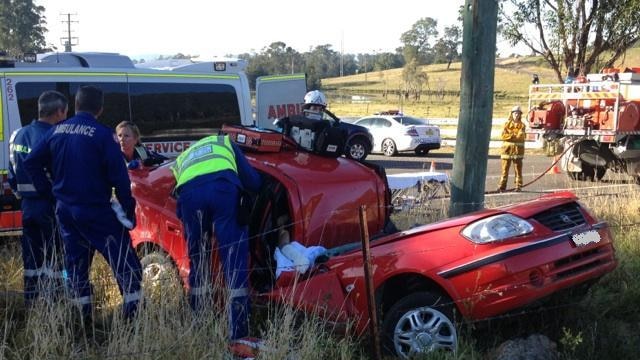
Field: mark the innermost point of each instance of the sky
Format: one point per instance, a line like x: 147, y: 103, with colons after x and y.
x: 142, y: 28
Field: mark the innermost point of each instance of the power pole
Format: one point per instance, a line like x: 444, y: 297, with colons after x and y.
x: 68, y: 41
x: 476, y: 106
x: 342, y: 54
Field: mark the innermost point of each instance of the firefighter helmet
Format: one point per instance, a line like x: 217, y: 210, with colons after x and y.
x: 516, y: 109
x: 315, y: 97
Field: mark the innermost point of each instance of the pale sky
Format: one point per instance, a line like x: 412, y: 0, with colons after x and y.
x: 217, y: 28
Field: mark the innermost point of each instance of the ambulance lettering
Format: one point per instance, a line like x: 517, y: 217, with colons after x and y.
x: 284, y: 110
x: 168, y: 147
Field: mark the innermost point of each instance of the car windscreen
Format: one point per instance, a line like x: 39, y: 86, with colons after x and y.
x: 408, y: 120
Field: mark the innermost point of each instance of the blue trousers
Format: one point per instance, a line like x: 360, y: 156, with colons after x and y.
x: 42, y: 253
x: 86, y: 229
x: 210, y: 208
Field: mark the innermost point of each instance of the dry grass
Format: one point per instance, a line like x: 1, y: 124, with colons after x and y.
x: 511, y: 87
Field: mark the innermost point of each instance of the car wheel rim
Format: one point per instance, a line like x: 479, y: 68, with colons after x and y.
x: 424, y: 330
x: 388, y: 148
x: 155, y: 273
x: 357, y: 151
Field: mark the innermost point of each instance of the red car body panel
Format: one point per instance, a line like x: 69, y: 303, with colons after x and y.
x: 323, y: 199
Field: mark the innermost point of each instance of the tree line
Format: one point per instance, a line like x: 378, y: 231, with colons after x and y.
x: 570, y: 35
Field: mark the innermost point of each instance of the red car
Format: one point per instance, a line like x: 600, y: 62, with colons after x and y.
x: 477, y: 265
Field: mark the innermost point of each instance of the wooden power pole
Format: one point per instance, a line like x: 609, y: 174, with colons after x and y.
x: 476, y: 106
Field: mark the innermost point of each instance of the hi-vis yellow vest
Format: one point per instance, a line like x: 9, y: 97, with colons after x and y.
x: 209, y: 155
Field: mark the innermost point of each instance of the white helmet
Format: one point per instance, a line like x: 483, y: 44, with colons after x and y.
x: 516, y: 109
x: 315, y: 97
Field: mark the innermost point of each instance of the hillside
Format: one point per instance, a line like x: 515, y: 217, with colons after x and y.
x: 511, y: 87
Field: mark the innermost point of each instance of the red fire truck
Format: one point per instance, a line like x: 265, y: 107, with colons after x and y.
x: 596, y: 119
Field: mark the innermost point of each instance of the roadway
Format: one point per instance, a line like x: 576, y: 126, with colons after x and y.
x: 534, y: 166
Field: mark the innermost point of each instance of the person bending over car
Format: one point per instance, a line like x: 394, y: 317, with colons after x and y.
x: 210, y: 175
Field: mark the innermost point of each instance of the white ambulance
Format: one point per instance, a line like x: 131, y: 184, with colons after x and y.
x: 173, y: 103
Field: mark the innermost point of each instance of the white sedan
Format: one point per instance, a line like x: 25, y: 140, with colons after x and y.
x: 395, y: 132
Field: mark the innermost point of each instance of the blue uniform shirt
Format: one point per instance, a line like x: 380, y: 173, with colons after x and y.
x: 85, y: 162
x: 22, y: 142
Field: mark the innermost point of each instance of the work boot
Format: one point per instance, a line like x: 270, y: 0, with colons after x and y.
x: 501, y: 190
x: 518, y: 189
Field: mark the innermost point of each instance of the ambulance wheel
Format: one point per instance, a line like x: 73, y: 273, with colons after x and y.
x: 421, y: 322
x: 389, y: 147
x: 357, y: 150
x: 159, y: 273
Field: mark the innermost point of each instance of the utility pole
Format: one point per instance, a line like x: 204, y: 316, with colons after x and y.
x: 476, y: 106
x: 342, y: 54
x: 68, y: 41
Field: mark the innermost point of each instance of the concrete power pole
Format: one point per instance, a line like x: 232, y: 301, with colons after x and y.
x: 68, y: 41
x: 476, y: 106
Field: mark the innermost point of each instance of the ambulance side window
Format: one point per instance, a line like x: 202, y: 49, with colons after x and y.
x: 116, y: 103
x: 27, y: 94
x: 182, y: 110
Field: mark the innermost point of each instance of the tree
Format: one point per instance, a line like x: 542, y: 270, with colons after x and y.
x: 447, y: 47
x: 418, y: 38
x: 22, y: 27
x: 573, y: 35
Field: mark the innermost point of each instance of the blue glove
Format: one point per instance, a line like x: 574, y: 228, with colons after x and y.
x: 133, y: 164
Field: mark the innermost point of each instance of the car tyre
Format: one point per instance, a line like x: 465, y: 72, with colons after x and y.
x: 159, y: 273
x: 389, y: 147
x: 357, y: 150
x: 421, y: 322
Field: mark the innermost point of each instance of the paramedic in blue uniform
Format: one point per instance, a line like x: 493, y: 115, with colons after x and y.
x: 41, y: 242
x: 87, y: 167
x: 209, y: 176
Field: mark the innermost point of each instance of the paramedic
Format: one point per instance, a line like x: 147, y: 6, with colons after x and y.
x: 87, y: 169
x: 135, y: 154
x: 210, y: 175
x: 513, y: 136
x: 41, y: 242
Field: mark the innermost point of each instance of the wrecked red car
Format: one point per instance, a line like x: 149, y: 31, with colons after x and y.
x: 478, y: 265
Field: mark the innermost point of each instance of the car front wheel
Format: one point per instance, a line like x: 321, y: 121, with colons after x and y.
x: 420, y: 323
x: 159, y: 274
x: 357, y: 150
x: 389, y: 147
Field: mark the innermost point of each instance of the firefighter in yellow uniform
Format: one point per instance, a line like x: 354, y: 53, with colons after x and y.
x: 513, y: 136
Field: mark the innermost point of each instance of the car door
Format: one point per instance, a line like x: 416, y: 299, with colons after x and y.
x: 380, y: 131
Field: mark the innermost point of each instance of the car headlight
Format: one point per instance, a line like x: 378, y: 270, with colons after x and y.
x: 496, y: 228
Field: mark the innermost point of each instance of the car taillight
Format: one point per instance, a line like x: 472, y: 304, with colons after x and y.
x: 412, y: 132
x: 6, y: 189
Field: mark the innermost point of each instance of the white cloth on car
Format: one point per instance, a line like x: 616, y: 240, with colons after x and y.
x: 295, y: 256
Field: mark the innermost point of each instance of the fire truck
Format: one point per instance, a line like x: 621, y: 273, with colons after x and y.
x: 594, y: 122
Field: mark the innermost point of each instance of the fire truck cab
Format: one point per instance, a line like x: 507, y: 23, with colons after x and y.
x: 173, y: 102
x: 596, y: 119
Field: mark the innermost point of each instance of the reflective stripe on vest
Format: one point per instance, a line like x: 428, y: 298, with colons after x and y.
x: 209, y: 155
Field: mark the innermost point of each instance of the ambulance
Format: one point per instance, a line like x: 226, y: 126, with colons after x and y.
x: 173, y: 102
